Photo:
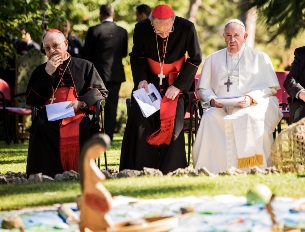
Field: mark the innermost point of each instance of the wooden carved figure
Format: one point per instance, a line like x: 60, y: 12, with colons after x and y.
x: 96, y: 199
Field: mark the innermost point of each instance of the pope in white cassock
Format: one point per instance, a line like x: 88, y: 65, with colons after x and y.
x: 237, y: 135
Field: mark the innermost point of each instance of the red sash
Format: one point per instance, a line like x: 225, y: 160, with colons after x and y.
x: 168, y: 106
x: 69, y: 132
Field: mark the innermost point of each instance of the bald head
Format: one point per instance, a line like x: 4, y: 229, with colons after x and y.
x: 53, y: 32
x: 55, y: 43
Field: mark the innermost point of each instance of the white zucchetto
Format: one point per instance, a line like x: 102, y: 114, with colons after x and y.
x: 235, y: 21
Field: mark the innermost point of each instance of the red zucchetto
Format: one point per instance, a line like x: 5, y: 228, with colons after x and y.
x: 163, y: 11
x: 51, y: 31
x: 54, y: 30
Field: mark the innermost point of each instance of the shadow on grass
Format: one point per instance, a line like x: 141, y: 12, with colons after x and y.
x: 54, y: 186
x: 16, y: 196
x: 116, y: 144
x: 161, y: 191
x: 49, y: 193
x: 12, y: 161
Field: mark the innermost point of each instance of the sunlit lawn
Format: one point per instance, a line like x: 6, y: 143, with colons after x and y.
x: 13, y: 158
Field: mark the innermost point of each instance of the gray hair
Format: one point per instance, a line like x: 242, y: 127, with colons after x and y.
x: 59, y: 33
x: 151, y: 18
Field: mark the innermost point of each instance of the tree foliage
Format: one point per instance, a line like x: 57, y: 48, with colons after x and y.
x: 85, y: 13
x: 210, y: 21
x: 15, y: 15
x: 281, y: 17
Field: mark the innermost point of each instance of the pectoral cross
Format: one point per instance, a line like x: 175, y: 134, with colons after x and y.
x: 161, y: 76
x: 52, y: 98
x: 228, y: 83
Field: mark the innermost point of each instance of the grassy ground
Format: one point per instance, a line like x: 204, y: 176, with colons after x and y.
x: 25, y: 195
x: 13, y: 158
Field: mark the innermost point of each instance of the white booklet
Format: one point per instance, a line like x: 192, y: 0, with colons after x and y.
x: 58, y: 111
x: 149, y: 102
x: 230, y: 101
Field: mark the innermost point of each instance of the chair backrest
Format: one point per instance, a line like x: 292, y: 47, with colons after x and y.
x: 25, y: 65
x: 193, y: 93
x: 281, y: 94
x: 196, y: 82
x: 5, y: 89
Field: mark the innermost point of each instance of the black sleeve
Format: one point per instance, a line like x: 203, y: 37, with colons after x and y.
x: 188, y: 71
x: 138, y: 61
x: 39, y: 88
x: 292, y: 83
x: 125, y: 50
x: 94, y: 88
x: 88, y: 49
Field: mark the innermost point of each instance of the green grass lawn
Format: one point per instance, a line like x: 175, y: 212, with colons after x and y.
x: 13, y: 158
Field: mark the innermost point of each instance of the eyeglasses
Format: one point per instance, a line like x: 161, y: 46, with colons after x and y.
x: 164, y: 32
x: 54, y: 46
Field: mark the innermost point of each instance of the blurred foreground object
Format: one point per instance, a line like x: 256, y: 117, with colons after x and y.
x: 288, y: 149
x: 95, y: 201
x: 12, y: 223
x: 259, y: 194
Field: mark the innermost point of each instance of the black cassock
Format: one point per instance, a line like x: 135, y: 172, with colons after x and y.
x: 43, y: 152
x: 136, y: 153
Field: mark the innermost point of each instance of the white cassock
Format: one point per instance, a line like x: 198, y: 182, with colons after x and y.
x: 234, y: 136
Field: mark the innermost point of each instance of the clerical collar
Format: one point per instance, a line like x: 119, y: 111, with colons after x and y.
x: 239, y: 52
x: 68, y: 57
x: 107, y: 20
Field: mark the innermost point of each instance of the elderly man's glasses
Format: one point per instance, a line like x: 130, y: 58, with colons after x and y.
x: 54, y: 46
x: 163, y: 32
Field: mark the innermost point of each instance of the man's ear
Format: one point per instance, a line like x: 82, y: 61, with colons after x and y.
x: 246, y: 35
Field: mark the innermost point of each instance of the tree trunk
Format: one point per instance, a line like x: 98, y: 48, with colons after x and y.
x: 194, y: 5
x: 249, y: 18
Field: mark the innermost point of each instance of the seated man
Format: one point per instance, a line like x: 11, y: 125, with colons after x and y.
x: 240, y: 135
x: 54, y: 145
x: 294, y: 85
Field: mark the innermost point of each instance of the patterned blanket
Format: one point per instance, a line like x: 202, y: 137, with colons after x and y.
x: 218, y: 213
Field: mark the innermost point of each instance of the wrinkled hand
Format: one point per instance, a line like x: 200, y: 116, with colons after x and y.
x: 143, y: 84
x: 246, y: 102
x: 172, y: 92
x: 53, y: 63
x: 75, y: 104
x: 215, y: 103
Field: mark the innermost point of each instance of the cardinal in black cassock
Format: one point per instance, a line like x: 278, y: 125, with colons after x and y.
x: 166, y: 53
x: 54, y: 146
